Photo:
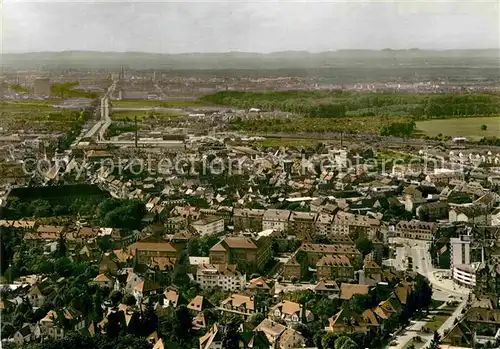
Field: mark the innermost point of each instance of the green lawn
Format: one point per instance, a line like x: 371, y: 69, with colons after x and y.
x: 142, y: 115
x: 435, y: 324
x: 465, y: 127
x: 164, y: 104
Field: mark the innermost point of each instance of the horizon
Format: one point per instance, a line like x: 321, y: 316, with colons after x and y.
x: 262, y: 27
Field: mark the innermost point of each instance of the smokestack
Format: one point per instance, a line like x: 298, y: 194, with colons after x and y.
x: 136, y: 131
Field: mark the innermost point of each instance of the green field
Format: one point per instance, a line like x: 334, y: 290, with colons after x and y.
x: 162, y: 104
x: 435, y: 324
x: 142, y: 115
x: 466, y: 127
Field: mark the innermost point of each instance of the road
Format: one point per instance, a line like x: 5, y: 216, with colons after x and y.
x: 102, y: 125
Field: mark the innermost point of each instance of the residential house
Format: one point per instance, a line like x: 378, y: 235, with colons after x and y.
x: 238, y: 304
x: 355, y: 225
x: 261, y: 286
x: 347, y: 291
x: 271, y: 329
x: 198, y: 304
x: 291, y: 339
x: 323, y: 224
x: 301, y: 222
x: 248, y: 253
x: 290, y: 312
x: 223, y: 276
x: 55, y: 327
x: 415, y: 229
x: 26, y: 334
x: 144, y: 250
x: 103, y: 280
x: 468, y: 213
x: 334, y: 267
x: 212, y: 339
x: 172, y: 298
x: 209, y: 225
x: 146, y: 288
x: 347, y: 322
x: 248, y: 219
x: 36, y: 297
x: 327, y: 288
x: 433, y: 211
x: 495, y: 217
x: 276, y: 220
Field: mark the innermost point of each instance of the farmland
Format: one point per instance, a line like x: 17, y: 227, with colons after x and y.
x: 159, y: 104
x: 143, y: 115
x: 464, y: 127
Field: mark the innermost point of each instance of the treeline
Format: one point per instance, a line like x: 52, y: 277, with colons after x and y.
x: 66, y: 90
x: 126, y: 214
x: 354, y: 104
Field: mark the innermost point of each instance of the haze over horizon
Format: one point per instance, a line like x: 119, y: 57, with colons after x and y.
x: 260, y: 27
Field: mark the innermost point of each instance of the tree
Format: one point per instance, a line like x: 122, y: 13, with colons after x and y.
x: 328, y: 340
x: 129, y: 299
x: 61, y: 246
x: 97, y: 305
x: 4, y: 258
x: 484, y: 127
x: 345, y: 342
x: 364, y: 245
x: 230, y: 338
x: 115, y: 297
x: 436, y: 338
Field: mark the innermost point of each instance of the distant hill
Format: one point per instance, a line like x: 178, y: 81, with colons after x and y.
x: 413, y: 58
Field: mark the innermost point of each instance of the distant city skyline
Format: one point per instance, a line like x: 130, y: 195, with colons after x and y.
x: 241, y: 26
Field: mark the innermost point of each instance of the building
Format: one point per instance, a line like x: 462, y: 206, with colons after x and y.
x: 314, y: 252
x: 334, y: 267
x: 327, y: 288
x: 415, y: 229
x: 209, y: 225
x: 52, y: 324
x: 222, y: 276
x: 247, y: 253
x: 323, y: 224
x: 36, y: 297
x: 247, y: 219
x: 276, y: 220
x: 290, y: 312
x: 355, y: 225
x: 347, y: 322
x: 291, y: 339
x: 145, y: 251
x: 463, y: 263
x: 42, y: 87
x: 238, y: 304
x: 302, y: 222
x: 271, y: 329
x: 212, y: 339
x: 468, y: 213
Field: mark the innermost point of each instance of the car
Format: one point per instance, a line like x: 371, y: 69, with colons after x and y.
x: 451, y: 296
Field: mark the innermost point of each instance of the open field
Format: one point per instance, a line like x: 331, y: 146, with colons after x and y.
x: 436, y: 323
x: 466, y: 127
x: 416, y: 344
x: 163, y: 104
x: 142, y: 115
x: 287, y: 142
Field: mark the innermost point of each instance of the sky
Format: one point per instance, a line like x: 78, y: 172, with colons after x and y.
x: 247, y: 26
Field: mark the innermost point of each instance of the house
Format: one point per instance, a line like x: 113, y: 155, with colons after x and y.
x: 145, y: 250
x: 223, y: 276
x: 469, y: 213
x: 198, y: 304
x: 355, y: 225
x: 347, y: 291
x: 172, y: 299
x: 300, y: 222
x: 347, y: 322
x: 252, y: 253
x: 36, y: 297
x: 212, y: 339
x: 415, y: 229
x: 323, y: 224
x: 334, y: 267
x: 24, y: 335
x: 314, y: 252
x: 291, y: 339
x: 327, y: 288
x: 108, y: 264
x: 276, y: 220
x: 248, y: 219
x: 209, y: 225
x: 261, y: 286
x: 432, y: 211
x: 238, y: 304
x: 271, y: 329
x: 146, y: 288
x: 495, y: 217
x: 55, y: 327
x: 103, y: 280
x: 290, y: 312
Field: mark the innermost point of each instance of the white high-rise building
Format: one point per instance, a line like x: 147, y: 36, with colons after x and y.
x: 463, y: 270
